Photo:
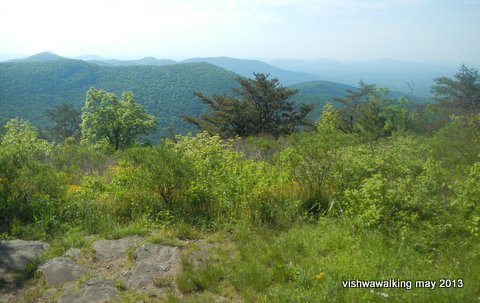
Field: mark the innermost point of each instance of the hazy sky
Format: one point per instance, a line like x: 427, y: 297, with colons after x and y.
x: 416, y: 30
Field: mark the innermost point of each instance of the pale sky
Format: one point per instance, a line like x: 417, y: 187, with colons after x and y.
x: 415, y: 30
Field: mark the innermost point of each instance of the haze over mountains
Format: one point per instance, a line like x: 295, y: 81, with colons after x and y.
x: 398, y: 76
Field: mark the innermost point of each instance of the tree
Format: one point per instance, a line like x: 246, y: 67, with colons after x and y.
x: 117, y: 120
x: 368, y: 113
x: 21, y: 144
x: 262, y: 106
x: 66, y: 119
x: 352, y: 104
x: 462, y: 95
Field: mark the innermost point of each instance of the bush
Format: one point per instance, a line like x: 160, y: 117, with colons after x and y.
x: 399, y: 186
x: 30, y: 189
x: 467, y: 196
x: 227, y: 187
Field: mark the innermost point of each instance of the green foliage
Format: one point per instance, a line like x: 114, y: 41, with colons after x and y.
x: 119, y: 121
x: 228, y: 187
x: 462, y: 95
x: 457, y: 144
x: 313, y: 159
x: 467, y: 197
x: 20, y: 144
x: 399, y: 185
x: 369, y: 113
x: 29, y: 189
x: 262, y: 107
x: 66, y: 120
x: 28, y: 88
x: 78, y: 161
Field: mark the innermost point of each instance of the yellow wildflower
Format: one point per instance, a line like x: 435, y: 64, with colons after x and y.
x: 73, y: 188
x: 319, y: 276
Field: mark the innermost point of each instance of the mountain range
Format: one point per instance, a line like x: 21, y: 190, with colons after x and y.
x: 30, y: 86
x: 400, y: 76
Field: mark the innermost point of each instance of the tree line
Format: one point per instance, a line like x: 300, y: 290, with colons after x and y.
x: 262, y: 106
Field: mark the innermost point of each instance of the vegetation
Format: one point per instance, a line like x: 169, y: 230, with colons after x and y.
x: 67, y: 120
x: 119, y: 121
x: 263, y: 107
x: 461, y: 95
x: 294, y: 217
x: 28, y: 89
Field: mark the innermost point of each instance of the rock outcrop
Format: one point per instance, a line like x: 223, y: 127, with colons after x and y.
x: 152, y: 261
x: 114, y: 249
x: 60, y: 271
x: 16, y: 254
x: 91, y: 291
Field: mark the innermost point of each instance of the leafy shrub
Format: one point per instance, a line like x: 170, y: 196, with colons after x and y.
x: 312, y: 160
x: 228, y: 187
x: 77, y: 160
x: 467, y: 196
x: 400, y: 186
x: 30, y: 189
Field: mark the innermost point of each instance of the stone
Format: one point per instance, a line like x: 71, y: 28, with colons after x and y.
x: 114, y: 249
x: 92, y: 291
x: 152, y: 261
x: 60, y: 271
x: 16, y: 254
x: 73, y: 253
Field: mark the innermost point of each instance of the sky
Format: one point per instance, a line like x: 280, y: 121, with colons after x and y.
x: 435, y: 31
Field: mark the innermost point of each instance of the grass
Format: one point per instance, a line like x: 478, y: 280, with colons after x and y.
x: 305, y: 263
x: 308, y: 263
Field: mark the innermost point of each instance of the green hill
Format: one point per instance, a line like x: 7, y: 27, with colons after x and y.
x: 27, y: 89
x: 40, y: 57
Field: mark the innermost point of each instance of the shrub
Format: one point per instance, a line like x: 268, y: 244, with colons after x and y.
x: 30, y: 188
x: 228, y: 187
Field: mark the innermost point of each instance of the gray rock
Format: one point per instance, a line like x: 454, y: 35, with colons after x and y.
x: 50, y: 294
x: 16, y: 254
x: 61, y: 270
x: 92, y: 291
x: 152, y: 261
x: 114, y: 249
x: 73, y: 253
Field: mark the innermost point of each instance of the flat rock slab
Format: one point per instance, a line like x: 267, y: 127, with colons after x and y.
x: 73, y: 253
x: 16, y: 254
x: 152, y: 261
x: 92, y: 291
x: 114, y: 249
x: 60, y: 271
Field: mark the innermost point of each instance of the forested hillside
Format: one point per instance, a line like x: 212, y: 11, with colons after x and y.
x: 28, y: 89
x: 31, y: 86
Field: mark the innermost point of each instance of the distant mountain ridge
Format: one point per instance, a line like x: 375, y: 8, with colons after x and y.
x: 40, y: 57
x: 246, y: 68
x: 30, y: 86
x: 400, y: 76
x: 242, y: 67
